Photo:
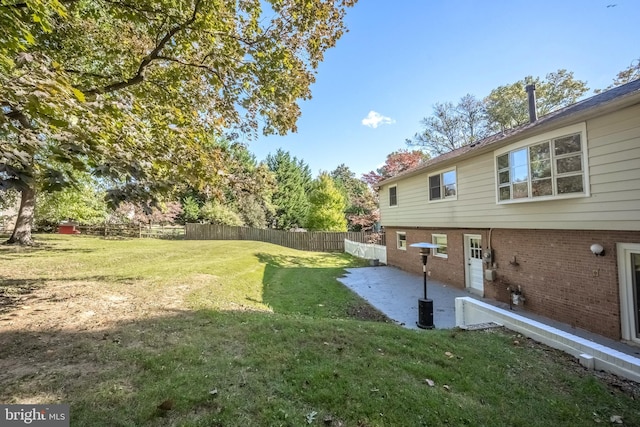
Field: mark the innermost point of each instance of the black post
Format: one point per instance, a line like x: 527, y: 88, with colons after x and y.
x: 424, y: 272
x: 425, y: 305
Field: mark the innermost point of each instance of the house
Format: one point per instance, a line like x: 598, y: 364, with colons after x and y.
x: 529, y: 208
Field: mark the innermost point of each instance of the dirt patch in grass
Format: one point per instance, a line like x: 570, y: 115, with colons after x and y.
x: 50, y: 332
x: 366, y: 312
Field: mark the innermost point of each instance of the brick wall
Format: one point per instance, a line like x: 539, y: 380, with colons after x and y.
x: 560, y: 277
x: 448, y: 270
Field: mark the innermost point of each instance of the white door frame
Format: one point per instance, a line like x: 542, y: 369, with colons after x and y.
x: 467, y: 266
x: 628, y: 309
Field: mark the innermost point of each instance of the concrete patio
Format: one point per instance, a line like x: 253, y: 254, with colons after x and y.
x: 396, y: 292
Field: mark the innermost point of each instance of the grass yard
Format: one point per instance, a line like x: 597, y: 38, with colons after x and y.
x: 227, y: 333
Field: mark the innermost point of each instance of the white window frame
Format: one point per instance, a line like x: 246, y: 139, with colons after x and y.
x: 398, y: 240
x: 580, y: 128
x: 441, y: 174
x: 389, y: 193
x: 436, y: 252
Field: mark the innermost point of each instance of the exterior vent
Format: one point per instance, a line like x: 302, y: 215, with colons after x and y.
x: 531, y: 95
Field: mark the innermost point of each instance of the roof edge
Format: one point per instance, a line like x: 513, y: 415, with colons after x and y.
x: 614, y: 99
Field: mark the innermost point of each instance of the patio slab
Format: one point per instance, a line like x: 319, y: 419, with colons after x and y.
x: 396, y: 292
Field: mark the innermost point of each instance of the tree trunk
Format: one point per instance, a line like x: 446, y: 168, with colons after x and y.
x: 22, y: 231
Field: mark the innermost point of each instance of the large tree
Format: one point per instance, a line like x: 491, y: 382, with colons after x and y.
x: 130, y: 90
x: 362, y: 205
x: 293, y: 182
x: 629, y: 74
x: 248, y: 185
x: 452, y: 126
x: 326, y: 206
x: 507, y: 106
x: 396, y: 162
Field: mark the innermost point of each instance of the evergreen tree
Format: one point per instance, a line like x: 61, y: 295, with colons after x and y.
x: 248, y: 186
x: 190, y: 209
x: 293, y: 181
x: 326, y: 206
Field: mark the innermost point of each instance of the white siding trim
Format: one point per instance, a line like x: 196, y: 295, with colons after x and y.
x: 625, y: 283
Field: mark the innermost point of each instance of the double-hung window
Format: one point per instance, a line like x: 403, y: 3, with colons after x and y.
x: 393, y: 196
x: 549, y: 168
x: 401, y: 240
x: 443, y: 185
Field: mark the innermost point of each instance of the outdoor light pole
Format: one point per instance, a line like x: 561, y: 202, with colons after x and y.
x: 425, y: 305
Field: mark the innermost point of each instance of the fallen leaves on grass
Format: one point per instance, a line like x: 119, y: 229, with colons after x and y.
x: 615, y: 419
x: 311, y: 416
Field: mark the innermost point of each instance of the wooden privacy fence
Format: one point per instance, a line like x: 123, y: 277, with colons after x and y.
x: 318, y: 241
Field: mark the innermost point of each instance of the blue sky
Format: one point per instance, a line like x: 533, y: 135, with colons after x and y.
x: 401, y: 57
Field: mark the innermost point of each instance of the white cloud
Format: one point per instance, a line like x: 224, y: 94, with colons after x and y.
x: 375, y: 119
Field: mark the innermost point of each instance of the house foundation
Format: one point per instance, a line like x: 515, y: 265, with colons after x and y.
x: 556, y: 271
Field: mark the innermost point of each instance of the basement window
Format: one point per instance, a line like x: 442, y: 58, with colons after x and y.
x: 401, y: 239
x: 440, y: 239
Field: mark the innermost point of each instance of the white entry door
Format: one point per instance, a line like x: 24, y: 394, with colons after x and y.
x: 629, y: 280
x: 473, y: 263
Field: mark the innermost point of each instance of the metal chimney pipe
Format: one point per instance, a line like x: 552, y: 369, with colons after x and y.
x: 531, y: 95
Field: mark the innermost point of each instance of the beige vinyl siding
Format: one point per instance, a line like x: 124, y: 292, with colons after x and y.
x: 613, y: 143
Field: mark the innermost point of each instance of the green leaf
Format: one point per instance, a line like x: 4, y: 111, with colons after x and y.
x: 79, y: 95
x: 29, y: 37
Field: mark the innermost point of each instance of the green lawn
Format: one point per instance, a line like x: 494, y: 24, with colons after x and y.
x: 228, y: 333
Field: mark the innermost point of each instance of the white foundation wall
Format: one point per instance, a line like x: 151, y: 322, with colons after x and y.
x: 592, y: 355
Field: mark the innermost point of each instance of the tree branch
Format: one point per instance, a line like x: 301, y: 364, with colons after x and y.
x: 138, y: 77
x: 133, y: 7
x: 189, y: 64
x: 83, y: 73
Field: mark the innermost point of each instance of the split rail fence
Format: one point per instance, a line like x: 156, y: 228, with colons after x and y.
x: 318, y: 241
x: 132, y: 231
